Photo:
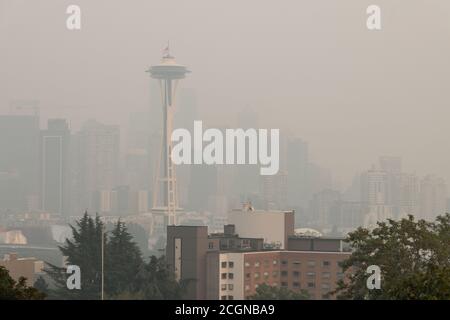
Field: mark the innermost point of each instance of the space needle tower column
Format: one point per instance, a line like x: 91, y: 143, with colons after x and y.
x: 165, y: 197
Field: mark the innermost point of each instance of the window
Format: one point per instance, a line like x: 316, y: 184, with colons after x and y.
x: 230, y: 287
x: 284, y: 273
x: 275, y: 274
x: 256, y: 275
x: 223, y: 287
x: 230, y: 264
x: 296, y: 264
x: 266, y: 275
x: 311, y: 263
x: 296, y: 284
x: 266, y: 263
x: 311, y: 285
x: 211, y: 245
x: 224, y: 276
x: 230, y: 298
x: 274, y: 284
x: 326, y: 296
x: 326, y: 275
x: 296, y: 274
x: 247, y: 264
x: 275, y: 262
x: 223, y: 298
x: 230, y: 276
x: 311, y: 274
x: 248, y: 275
x: 325, y: 286
x: 247, y: 287
x: 326, y: 264
x: 284, y: 284
x: 257, y: 264
x: 284, y: 262
x: 256, y: 286
x: 340, y: 275
x: 224, y: 264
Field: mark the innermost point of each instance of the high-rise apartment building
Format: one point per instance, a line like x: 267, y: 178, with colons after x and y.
x: 433, y: 197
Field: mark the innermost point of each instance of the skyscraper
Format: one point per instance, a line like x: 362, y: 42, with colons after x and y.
x: 433, y: 197
x: 54, y: 167
x: 98, y: 163
x: 19, y: 140
x: 297, y: 172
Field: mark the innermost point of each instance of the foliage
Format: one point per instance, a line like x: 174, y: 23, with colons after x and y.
x: 414, y: 258
x: 266, y: 292
x: 156, y: 281
x: 126, y: 274
x: 83, y: 250
x: 17, y: 290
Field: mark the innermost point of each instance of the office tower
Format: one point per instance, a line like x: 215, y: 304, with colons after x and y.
x: 374, y: 186
x: 246, y: 179
x: 98, y: 163
x: 324, y: 209
x: 297, y: 172
x: 392, y: 166
x: 165, y: 198
x: 408, y: 191
x: 433, y: 197
x: 184, y: 118
x: 204, y: 184
x: 54, y: 167
x: 19, y: 160
x: 274, y: 191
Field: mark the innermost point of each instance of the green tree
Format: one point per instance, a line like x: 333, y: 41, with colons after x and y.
x: 123, y: 261
x: 41, y: 285
x: 83, y: 250
x: 155, y: 281
x: 17, y: 290
x: 413, y: 256
x: 266, y: 292
x: 126, y: 274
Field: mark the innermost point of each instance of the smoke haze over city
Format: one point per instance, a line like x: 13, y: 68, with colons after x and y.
x: 306, y: 67
x: 224, y: 150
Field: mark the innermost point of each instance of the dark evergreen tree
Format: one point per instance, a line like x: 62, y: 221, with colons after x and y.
x: 84, y: 251
x: 155, y: 281
x: 126, y: 274
x: 41, y: 285
x: 123, y: 261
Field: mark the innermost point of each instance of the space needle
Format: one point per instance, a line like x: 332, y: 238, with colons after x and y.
x: 165, y: 196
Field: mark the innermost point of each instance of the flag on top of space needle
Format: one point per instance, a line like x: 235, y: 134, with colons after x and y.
x: 166, y: 51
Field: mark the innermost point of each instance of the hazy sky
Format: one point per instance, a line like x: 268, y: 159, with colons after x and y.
x: 310, y: 67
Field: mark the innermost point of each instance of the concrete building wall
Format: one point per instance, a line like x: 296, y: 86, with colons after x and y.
x: 272, y: 226
x: 28, y: 268
x: 194, y: 245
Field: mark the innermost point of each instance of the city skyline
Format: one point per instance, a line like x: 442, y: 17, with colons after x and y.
x: 328, y: 89
x: 203, y: 150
